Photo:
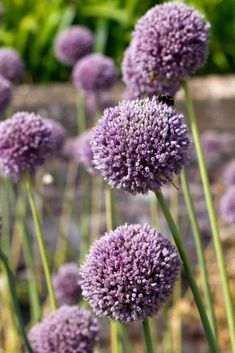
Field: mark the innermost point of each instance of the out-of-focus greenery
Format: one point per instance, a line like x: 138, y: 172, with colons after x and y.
x: 31, y: 26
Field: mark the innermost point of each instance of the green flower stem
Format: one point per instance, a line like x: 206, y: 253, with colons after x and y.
x: 109, y: 225
x: 188, y: 270
x: 5, y: 238
x: 28, y: 256
x: 212, y: 216
x: 41, y: 243
x: 109, y: 208
x: 15, y: 304
x: 147, y: 337
x: 200, y: 250
x: 101, y: 35
x: 81, y: 113
x: 154, y: 214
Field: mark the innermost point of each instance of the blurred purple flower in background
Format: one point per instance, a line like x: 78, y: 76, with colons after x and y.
x: 169, y: 44
x: 69, y: 329
x: 94, y: 73
x: 79, y: 149
x: 58, y: 132
x: 133, y: 80
x: 26, y: 141
x: 129, y: 273
x: 140, y: 144
x: 229, y: 173
x: 5, y: 94
x: 227, y: 205
x: 11, y: 65
x: 66, y: 285
x: 72, y: 44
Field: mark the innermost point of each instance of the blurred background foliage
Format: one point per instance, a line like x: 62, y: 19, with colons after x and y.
x: 30, y: 26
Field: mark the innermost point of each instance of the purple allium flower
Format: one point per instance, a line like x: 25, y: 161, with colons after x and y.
x: 69, y: 329
x: 79, y: 149
x: 72, y: 44
x: 227, y: 205
x: 66, y: 285
x: 58, y: 134
x: 26, y: 141
x: 139, y: 145
x: 5, y: 94
x: 11, y: 65
x: 170, y: 42
x: 129, y: 273
x: 135, y: 84
x: 94, y: 73
x: 229, y: 173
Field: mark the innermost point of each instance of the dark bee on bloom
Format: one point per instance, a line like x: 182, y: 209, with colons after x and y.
x: 169, y: 100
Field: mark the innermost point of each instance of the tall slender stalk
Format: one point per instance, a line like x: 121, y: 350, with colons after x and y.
x: 189, y: 272
x: 41, y: 242
x: 101, y: 35
x: 200, y: 251
x: 81, y: 113
x: 147, y: 337
x: 109, y: 225
x: 212, y: 216
x: 15, y: 304
x: 176, y: 322
x: 27, y: 249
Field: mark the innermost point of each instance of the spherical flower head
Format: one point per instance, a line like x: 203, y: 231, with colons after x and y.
x: 137, y: 87
x: 229, y: 174
x: 58, y: 134
x: 85, y: 151
x: 170, y: 43
x: 72, y: 44
x: 69, y: 329
x: 66, y: 285
x: 26, y: 141
x: 130, y: 273
x: 5, y: 94
x: 11, y: 65
x: 139, y: 145
x: 227, y: 205
x: 94, y: 73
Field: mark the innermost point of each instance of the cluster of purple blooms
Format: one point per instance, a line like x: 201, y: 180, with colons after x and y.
x: 92, y: 73
x: 11, y: 71
x: 79, y: 149
x: 69, y: 329
x: 26, y: 142
x: 169, y: 43
x: 65, y: 282
x: 129, y: 273
x: 140, y: 144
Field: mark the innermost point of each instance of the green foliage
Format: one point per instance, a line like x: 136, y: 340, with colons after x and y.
x: 31, y: 26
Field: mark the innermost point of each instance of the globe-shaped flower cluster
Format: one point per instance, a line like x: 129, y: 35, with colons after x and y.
x: 79, y: 149
x: 170, y: 43
x: 129, y: 273
x: 11, y: 65
x: 65, y: 283
x: 72, y: 44
x: 227, y: 205
x: 26, y: 141
x: 94, y: 73
x: 67, y: 330
x: 140, y: 144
